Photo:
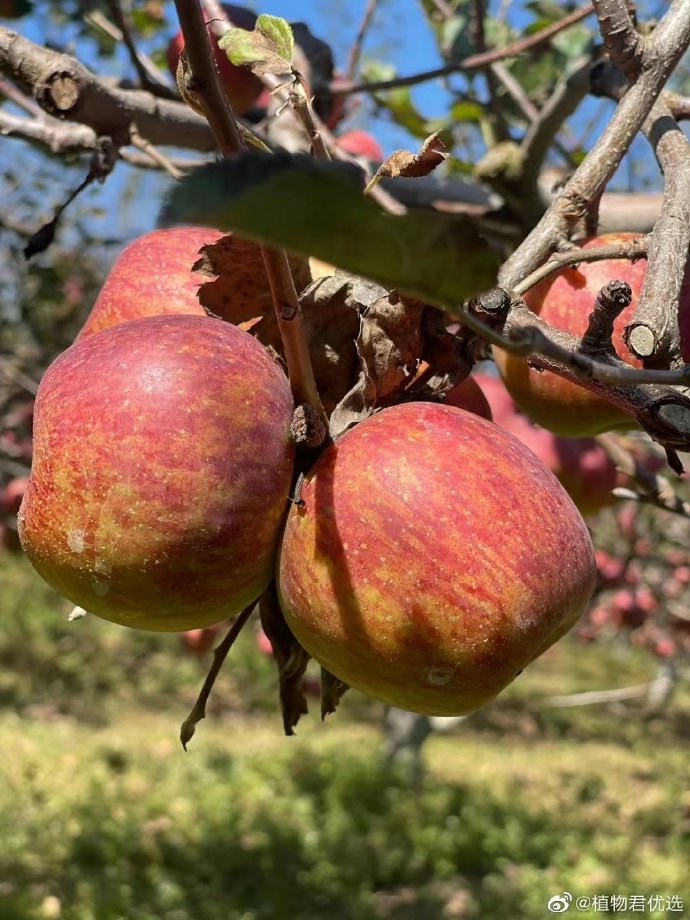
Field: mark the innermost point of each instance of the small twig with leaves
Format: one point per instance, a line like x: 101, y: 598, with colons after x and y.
x: 204, y: 81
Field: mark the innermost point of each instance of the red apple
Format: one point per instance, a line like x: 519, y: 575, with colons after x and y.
x: 13, y: 493
x: 433, y: 558
x: 580, y: 464
x: 361, y: 144
x: 565, y: 299
x: 242, y: 87
x: 162, y: 465
x: 468, y: 395
x: 152, y: 276
x: 200, y: 641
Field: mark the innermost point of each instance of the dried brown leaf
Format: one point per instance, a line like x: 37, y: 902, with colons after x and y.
x: 291, y: 659
x: 407, y: 165
x: 239, y: 292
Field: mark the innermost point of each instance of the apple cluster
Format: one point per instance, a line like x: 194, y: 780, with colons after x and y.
x: 428, y: 555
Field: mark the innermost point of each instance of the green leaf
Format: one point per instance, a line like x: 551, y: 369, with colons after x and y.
x: 266, y: 49
x: 317, y: 208
x: 398, y: 102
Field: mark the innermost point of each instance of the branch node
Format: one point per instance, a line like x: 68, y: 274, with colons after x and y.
x: 611, y: 300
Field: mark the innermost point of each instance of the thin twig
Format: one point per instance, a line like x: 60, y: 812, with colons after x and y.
x: 472, y: 62
x: 633, y: 250
x: 650, y: 486
x: 356, y: 49
x: 11, y: 92
x: 198, y: 711
x: 154, y: 154
x: 209, y: 92
x: 149, y: 75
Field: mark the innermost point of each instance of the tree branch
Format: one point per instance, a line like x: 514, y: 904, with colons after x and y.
x: 356, y: 49
x: 623, y: 42
x: 663, y: 412
x: 208, y: 89
x: 663, y: 51
x: 653, y: 332
x: 472, y: 62
x: 64, y: 88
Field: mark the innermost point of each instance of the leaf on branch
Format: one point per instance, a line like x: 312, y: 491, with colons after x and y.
x: 290, y: 657
x: 239, y: 291
x: 316, y: 208
x: 407, y: 165
x: 333, y: 689
x: 268, y: 48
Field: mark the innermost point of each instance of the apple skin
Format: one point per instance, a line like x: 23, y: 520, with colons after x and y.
x: 152, y: 276
x: 434, y: 557
x: 565, y: 299
x: 580, y: 464
x: 360, y: 144
x: 241, y: 86
x: 161, y: 471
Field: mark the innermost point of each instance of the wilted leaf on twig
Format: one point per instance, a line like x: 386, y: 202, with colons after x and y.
x: 239, y: 292
x: 406, y: 165
x: 289, y: 656
x: 333, y: 689
x: 268, y: 48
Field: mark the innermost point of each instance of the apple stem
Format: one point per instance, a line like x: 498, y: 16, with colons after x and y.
x: 209, y: 91
x: 220, y: 653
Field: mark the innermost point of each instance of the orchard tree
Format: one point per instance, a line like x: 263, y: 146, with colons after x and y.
x: 270, y: 406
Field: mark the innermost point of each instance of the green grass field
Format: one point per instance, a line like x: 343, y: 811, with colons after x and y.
x: 104, y: 817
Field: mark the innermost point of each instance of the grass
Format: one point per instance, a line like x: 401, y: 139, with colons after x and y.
x: 104, y: 817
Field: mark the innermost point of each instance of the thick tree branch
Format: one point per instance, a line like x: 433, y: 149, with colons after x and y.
x: 653, y: 332
x: 58, y: 136
x: 663, y: 51
x: 66, y: 89
x: 623, y: 42
x: 663, y: 412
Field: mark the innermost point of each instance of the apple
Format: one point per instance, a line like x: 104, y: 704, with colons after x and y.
x: 200, y: 641
x: 565, y: 299
x: 434, y: 556
x: 152, y: 276
x: 161, y: 471
x: 360, y: 144
x: 582, y: 466
x: 469, y: 395
x: 241, y: 86
x: 13, y: 493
